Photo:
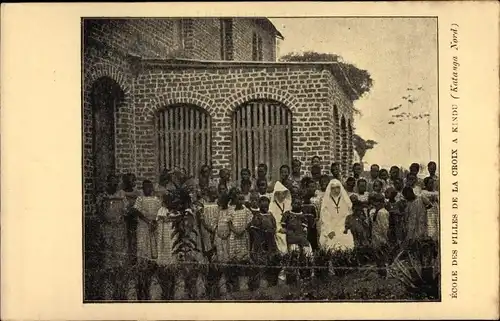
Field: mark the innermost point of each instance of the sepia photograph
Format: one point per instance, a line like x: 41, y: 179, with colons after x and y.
x: 256, y: 159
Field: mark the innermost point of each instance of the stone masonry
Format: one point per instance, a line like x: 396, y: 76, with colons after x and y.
x: 140, y: 56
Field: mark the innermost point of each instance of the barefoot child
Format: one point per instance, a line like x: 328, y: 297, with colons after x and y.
x: 267, y: 228
x: 256, y: 238
x: 379, y: 217
x: 147, y: 207
x: 221, y: 240
x: 294, y: 225
x: 166, y: 260
x: 239, y: 245
x: 209, y: 219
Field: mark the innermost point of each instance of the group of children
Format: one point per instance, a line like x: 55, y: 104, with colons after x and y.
x: 245, y: 227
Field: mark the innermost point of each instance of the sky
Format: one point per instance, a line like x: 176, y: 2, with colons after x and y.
x: 399, y: 53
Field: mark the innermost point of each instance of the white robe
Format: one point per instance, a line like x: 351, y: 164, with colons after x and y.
x: 332, y: 218
x: 277, y: 209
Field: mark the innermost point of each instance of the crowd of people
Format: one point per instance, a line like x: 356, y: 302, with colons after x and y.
x: 245, y: 226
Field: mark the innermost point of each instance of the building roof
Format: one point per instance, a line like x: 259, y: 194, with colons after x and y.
x: 182, y: 63
x: 268, y: 23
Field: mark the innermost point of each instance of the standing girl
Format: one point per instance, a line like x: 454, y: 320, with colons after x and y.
x: 209, y: 219
x: 416, y: 215
x: 239, y: 244
x: 131, y: 193
x: 379, y: 217
x: 268, y: 249
x: 256, y: 242
x: 147, y: 207
x: 166, y: 260
x: 221, y: 240
x: 433, y: 212
x: 111, y: 207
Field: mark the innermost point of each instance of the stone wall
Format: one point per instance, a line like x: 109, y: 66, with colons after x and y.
x: 107, y: 44
x: 306, y: 90
x: 340, y: 105
x: 309, y: 91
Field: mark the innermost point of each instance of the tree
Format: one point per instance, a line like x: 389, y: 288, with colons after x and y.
x: 359, y: 79
x: 361, y: 145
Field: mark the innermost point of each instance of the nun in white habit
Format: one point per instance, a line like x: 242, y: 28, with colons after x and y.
x: 281, y: 201
x: 335, y: 207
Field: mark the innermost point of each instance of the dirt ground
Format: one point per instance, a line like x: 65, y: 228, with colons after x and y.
x: 354, y: 286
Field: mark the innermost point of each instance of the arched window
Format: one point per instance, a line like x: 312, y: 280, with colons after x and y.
x: 106, y: 97
x: 350, y: 146
x: 337, y: 135
x: 262, y: 133
x: 184, y: 137
x: 345, y: 149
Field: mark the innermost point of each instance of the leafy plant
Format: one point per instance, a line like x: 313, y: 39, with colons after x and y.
x: 362, y: 146
x: 416, y: 267
x: 360, y: 79
x: 184, y: 218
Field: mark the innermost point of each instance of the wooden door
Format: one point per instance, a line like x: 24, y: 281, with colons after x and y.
x: 184, y: 138
x: 262, y: 133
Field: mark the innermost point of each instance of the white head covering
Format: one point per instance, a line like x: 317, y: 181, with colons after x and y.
x: 332, y: 217
x: 277, y: 209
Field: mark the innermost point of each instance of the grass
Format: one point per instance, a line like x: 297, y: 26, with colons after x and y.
x: 412, y: 273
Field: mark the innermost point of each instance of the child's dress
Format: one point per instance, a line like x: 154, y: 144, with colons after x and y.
x: 380, y: 227
x: 221, y: 240
x: 146, y: 239
x: 432, y: 214
x: 359, y: 228
x: 268, y: 228
x: 295, y: 225
x: 311, y: 213
x: 112, y: 208
x: 396, y: 221
x: 416, y: 219
x: 165, y: 238
x: 239, y: 245
x: 210, y: 216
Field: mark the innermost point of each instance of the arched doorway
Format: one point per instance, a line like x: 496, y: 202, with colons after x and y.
x: 106, y: 97
x: 262, y: 133
x: 184, y: 134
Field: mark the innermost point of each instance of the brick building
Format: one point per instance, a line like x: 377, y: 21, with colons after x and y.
x: 159, y: 93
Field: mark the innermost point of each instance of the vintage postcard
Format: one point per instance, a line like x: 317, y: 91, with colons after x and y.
x: 250, y: 161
